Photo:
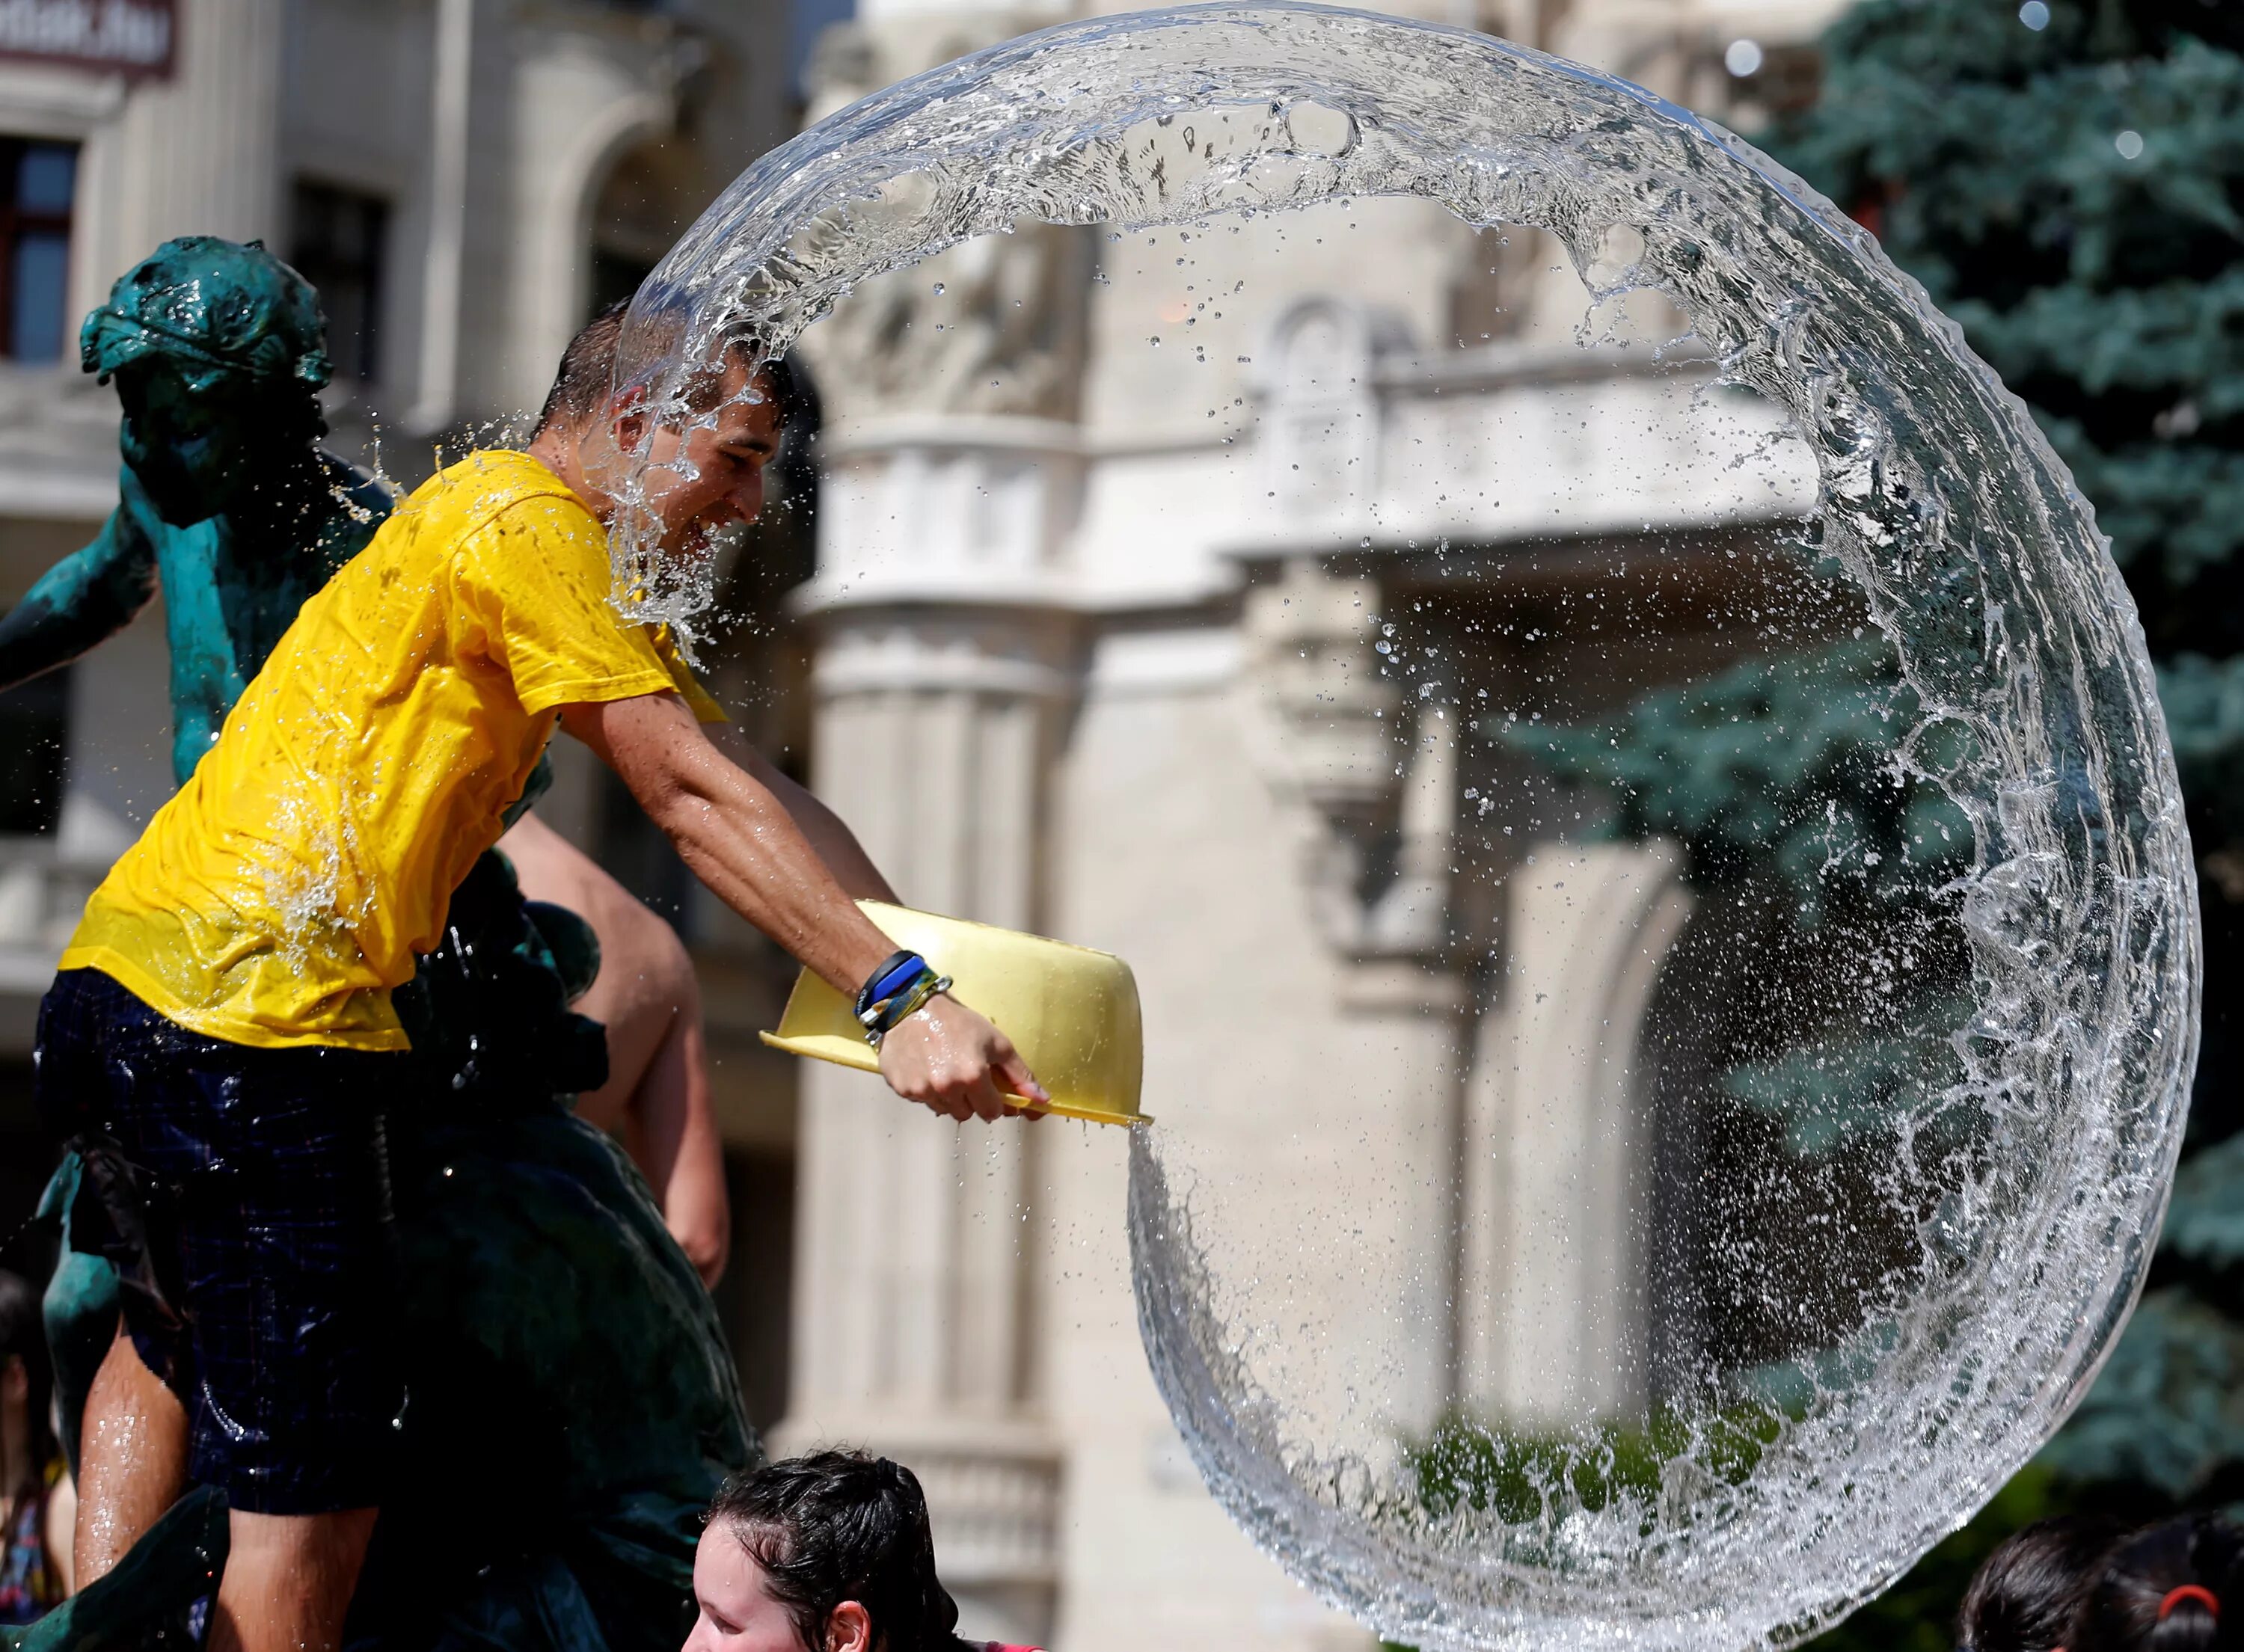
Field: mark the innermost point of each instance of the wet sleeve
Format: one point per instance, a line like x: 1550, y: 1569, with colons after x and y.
x: 532, y: 584
x: 704, y: 707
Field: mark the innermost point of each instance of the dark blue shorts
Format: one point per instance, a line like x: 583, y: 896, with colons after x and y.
x: 243, y: 1195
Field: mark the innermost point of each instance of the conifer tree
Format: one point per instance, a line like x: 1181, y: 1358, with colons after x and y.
x: 2066, y: 178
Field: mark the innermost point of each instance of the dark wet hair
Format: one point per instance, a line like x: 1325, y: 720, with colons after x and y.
x: 2178, y: 1587
x: 588, y: 370
x: 2027, y: 1593
x: 23, y: 1336
x: 838, y: 1526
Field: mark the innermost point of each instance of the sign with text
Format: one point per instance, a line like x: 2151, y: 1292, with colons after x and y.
x: 133, y: 37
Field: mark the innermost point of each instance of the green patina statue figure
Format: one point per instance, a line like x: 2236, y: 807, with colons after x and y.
x: 227, y: 503
x: 572, y: 1403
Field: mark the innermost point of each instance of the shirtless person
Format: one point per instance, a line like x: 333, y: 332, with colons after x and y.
x: 222, y: 1016
x: 646, y: 997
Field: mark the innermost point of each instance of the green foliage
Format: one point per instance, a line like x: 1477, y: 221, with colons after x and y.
x: 1465, y: 1462
x: 2204, y: 701
x: 1828, y: 1096
x: 2105, y: 288
x: 2168, y: 1410
x: 1781, y: 765
x: 2103, y: 279
x: 1519, y: 1473
x: 2205, y: 1223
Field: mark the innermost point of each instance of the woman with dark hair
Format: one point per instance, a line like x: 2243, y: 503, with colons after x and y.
x: 2027, y: 1593
x: 2081, y: 1584
x: 827, y: 1553
x: 2165, y: 1590
x: 35, y: 1506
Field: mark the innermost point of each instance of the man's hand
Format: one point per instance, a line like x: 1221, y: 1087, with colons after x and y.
x: 947, y: 1057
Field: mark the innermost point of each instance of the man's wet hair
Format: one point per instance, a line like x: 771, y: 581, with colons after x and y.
x: 587, y: 375
x: 838, y: 1526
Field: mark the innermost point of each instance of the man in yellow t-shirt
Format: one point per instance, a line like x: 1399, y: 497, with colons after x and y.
x: 220, y: 1039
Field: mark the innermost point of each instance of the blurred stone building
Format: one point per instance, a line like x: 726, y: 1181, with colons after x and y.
x: 1077, y: 642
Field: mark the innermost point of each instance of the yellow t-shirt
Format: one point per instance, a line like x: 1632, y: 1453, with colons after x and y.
x: 281, y: 893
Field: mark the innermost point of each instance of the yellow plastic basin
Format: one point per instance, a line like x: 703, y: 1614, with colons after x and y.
x: 1073, y: 1013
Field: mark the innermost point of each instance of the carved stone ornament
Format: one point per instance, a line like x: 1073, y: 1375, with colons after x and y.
x: 992, y: 327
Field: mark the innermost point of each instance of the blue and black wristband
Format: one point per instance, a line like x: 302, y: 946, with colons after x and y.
x: 900, y: 988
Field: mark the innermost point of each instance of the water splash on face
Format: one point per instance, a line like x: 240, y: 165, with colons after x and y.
x: 2003, y: 1212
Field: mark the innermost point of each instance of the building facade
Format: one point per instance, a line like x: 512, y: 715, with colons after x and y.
x: 1078, y: 651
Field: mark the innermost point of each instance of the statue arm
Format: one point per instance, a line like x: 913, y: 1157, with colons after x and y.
x: 81, y: 601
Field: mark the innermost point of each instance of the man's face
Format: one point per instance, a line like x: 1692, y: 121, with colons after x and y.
x: 738, y: 1615
x: 193, y: 446
x: 712, y: 476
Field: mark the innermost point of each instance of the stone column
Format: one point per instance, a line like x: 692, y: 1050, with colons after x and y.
x: 200, y: 153
x: 1368, y: 778
x: 946, y: 669
x: 1551, y: 1300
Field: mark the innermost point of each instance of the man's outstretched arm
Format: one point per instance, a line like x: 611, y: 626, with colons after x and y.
x: 81, y: 602
x: 836, y: 844
x: 741, y: 840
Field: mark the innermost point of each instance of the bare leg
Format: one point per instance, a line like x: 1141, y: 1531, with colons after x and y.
x: 133, y: 1459
x: 658, y: 1090
x: 673, y: 1136
x: 288, y: 1580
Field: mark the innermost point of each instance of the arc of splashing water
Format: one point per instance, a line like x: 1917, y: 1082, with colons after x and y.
x: 1975, y: 554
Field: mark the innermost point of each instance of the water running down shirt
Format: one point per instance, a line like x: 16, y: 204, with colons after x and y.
x: 285, y: 889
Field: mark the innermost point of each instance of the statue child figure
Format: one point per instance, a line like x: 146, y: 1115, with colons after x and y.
x: 229, y: 503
